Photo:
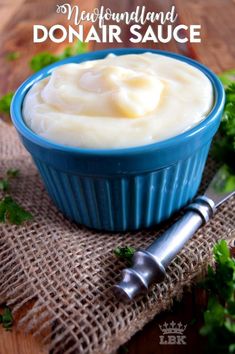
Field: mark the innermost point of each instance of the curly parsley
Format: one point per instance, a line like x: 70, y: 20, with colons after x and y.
x: 219, y: 317
x: 6, y: 318
x: 5, y: 181
x: 43, y: 59
x: 5, y: 103
x: 224, y: 145
x: 10, y: 210
x: 125, y: 253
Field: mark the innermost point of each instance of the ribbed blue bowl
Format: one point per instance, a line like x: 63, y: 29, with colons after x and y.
x: 121, y: 189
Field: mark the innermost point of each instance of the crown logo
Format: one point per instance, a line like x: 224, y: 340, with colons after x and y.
x: 172, y: 328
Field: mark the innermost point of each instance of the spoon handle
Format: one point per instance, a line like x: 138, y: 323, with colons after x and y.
x: 150, y: 265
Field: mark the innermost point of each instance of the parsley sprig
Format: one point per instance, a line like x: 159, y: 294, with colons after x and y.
x: 227, y: 77
x: 10, y: 210
x: 5, y: 103
x: 6, y: 318
x: 219, y: 317
x: 13, y: 172
x: 5, y: 181
x: 125, y: 253
x: 4, y: 184
x: 43, y: 59
x: 224, y: 145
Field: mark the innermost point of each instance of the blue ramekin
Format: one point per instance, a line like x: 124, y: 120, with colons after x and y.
x: 128, y: 188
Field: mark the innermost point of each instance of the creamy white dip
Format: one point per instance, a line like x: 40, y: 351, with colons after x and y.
x: 119, y: 101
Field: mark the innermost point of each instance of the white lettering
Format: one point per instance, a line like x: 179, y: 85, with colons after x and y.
x: 56, y: 28
x: 114, y: 33
x: 150, y: 35
x: 195, y: 31
x: 44, y: 30
x: 176, y: 34
x: 138, y: 36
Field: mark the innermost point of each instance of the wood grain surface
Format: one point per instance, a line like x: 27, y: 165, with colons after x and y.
x: 217, y: 50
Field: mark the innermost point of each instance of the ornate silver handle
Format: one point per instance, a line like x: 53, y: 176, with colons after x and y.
x: 150, y: 265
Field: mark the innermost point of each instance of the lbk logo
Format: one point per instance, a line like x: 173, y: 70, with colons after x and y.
x: 173, y: 333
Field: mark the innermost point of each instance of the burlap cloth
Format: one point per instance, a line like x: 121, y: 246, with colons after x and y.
x: 69, y: 270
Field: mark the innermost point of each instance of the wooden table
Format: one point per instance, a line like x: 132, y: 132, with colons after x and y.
x: 217, y: 50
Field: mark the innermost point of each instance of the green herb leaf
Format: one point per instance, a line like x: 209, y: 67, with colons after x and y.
x: 12, y: 173
x: 11, y: 56
x: 13, y: 212
x: 230, y: 92
x: 226, y: 180
x: 43, y: 59
x: 230, y: 325
x: 5, y: 103
x: 6, y: 318
x: 221, y: 252
x: 227, y: 77
x: 231, y: 348
x: 214, y: 316
x: 219, y: 317
x: 124, y: 253
x: 4, y: 184
x: 224, y: 145
x: 77, y: 48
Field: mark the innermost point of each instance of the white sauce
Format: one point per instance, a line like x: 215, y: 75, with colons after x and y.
x: 119, y: 101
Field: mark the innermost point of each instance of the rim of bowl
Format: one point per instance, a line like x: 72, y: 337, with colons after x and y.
x: 17, y: 102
